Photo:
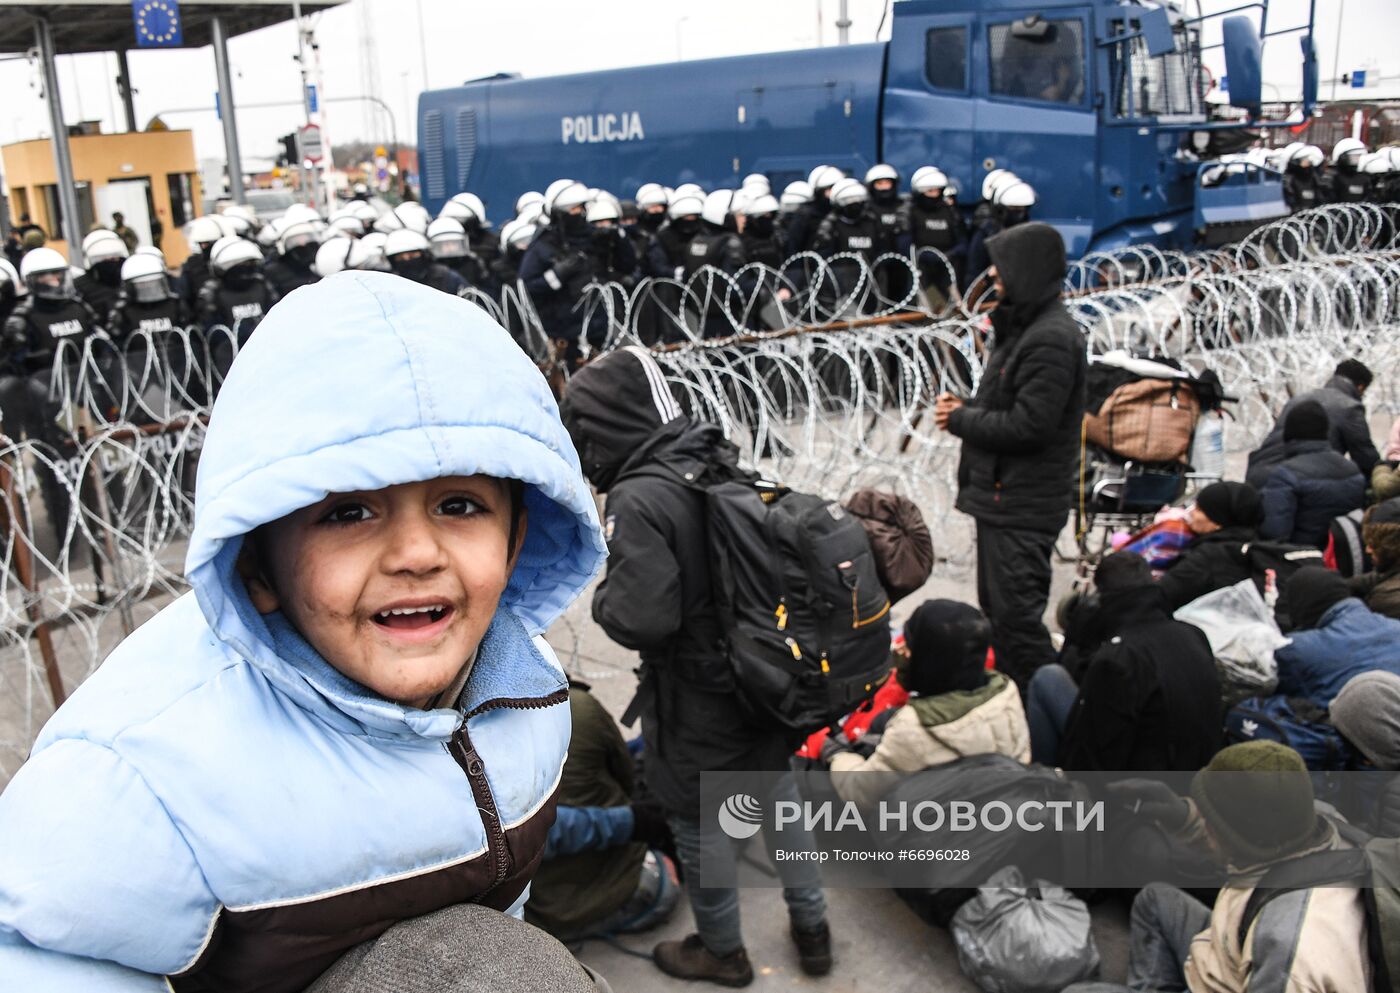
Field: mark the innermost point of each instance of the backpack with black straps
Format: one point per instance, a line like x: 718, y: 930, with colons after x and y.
x: 1296, y: 722
x: 805, y: 618
x: 1373, y: 867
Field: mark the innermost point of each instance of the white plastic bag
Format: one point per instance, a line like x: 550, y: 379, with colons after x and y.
x: 1013, y: 938
x: 1243, y: 637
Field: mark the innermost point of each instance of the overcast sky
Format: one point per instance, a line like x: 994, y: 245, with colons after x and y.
x: 463, y: 39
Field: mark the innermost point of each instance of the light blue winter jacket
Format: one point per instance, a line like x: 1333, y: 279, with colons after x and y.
x: 216, y: 800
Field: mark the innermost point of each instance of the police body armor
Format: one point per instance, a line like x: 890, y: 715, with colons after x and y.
x: 100, y: 296
x: 240, y: 308
x: 1349, y: 187
x: 130, y: 316
x: 35, y: 328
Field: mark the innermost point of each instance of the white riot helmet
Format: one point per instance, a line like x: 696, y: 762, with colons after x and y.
x: 1015, y: 196
x: 333, y: 256
x: 603, y: 209
x: 683, y: 205
x: 298, y: 235
x: 403, y: 241
x: 365, y: 211
x: 46, y: 274
x: 996, y: 179
x: 533, y: 214
x: 1348, y: 151
x: 237, y: 223
x: 243, y: 211
x: 716, y: 207
x: 650, y: 195
x: 927, y: 178
x: 346, y: 226
x: 756, y: 181
x: 847, y: 192
x: 527, y: 198
x: 368, y: 253
x: 150, y: 250
x: 297, y: 212
x: 9, y: 277
x: 824, y: 178
x: 881, y: 170
x: 145, y: 279
x: 553, y: 190
x: 1313, y: 155
x: 1374, y: 164
x: 757, y: 206
x: 795, y: 194
x: 388, y: 222
x: 459, y: 211
x: 203, y: 232
x: 518, y: 233
x: 232, y: 251
x: 566, y: 199
x: 413, y: 215
x: 269, y: 233
x: 103, y: 246
x: 447, y: 239
x: 688, y: 190
x: 472, y: 201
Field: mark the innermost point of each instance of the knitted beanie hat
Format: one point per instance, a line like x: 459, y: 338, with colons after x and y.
x: 1367, y: 712
x: 1258, y: 801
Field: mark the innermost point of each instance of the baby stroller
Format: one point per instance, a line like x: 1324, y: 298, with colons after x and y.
x: 1136, y: 449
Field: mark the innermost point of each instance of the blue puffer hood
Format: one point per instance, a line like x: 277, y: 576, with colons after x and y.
x: 366, y: 380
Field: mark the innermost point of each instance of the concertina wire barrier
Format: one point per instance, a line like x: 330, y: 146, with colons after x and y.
x: 827, y: 390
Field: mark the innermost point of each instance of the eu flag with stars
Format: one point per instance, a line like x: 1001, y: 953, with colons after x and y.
x: 157, y: 23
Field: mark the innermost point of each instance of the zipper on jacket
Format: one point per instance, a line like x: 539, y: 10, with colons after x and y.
x: 460, y: 747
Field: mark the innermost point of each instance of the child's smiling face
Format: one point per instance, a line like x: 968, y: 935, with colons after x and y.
x: 395, y: 587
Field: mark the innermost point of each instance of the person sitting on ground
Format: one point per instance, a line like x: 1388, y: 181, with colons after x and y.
x: 598, y: 874
x: 957, y: 707
x: 1348, y: 430
x: 1380, y: 588
x: 1312, y: 485
x: 1150, y: 696
x: 1306, y: 939
x: 1367, y: 713
x: 353, y: 718
x: 1224, y: 518
x: 1335, y: 637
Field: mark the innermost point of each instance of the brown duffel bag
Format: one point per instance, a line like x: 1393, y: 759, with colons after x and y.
x: 1150, y: 420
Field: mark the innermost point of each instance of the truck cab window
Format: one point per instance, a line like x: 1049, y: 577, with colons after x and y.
x: 1037, y: 59
x: 945, y: 59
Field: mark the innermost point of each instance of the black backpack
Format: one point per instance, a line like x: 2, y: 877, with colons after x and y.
x: 1373, y: 866
x: 805, y: 619
x: 1283, y: 560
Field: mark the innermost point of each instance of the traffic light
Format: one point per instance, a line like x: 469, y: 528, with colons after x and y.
x: 289, y: 156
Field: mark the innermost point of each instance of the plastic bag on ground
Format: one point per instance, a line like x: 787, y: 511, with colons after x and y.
x: 1243, y: 637
x: 1012, y: 938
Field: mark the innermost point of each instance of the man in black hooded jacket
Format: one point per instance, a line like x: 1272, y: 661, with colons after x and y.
x: 1020, y: 437
x: 635, y: 446
x: 1150, y: 696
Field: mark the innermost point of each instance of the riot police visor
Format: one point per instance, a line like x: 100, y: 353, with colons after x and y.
x: 149, y: 289
x: 55, y: 284
x: 449, y: 248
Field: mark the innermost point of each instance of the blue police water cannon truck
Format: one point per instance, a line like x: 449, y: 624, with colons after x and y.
x: 1098, y: 104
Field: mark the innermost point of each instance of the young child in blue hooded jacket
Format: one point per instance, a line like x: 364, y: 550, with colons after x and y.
x: 352, y: 718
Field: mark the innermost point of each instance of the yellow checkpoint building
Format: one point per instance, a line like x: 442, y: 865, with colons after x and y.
x: 150, y: 177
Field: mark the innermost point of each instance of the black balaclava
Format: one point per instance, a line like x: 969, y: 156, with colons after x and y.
x: 1030, y: 259
x: 652, y: 219
x: 603, y: 236
x: 759, y: 225
x: 241, y: 276
x: 928, y: 203
x: 612, y: 406
x: 414, y: 268
x: 687, y: 226
x: 885, y: 198
x: 108, y: 272
x: 1231, y: 504
x: 302, y: 256
x: 947, y: 643
x: 852, y: 211
x: 1312, y: 591
x: 571, y: 227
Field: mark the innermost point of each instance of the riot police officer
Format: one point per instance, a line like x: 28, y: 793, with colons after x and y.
x: 103, y: 252
x: 515, y: 240
x: 447, y: 240
x: 11, y: 289
x: 671, y: 246
x: 887, y: 207
x: 1300, y: 189
x: 296, y: 251
x: 1348, y: 183
x: 50, y: 315
x: 468, y: 210
x: 237, y: 294
x: 147, y: 303
x: 806, y: 219
x: 201, y: 235
x: 557, y: 267
x: 850, y: 229
x: 935, y: 225
x: 411, y: 255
